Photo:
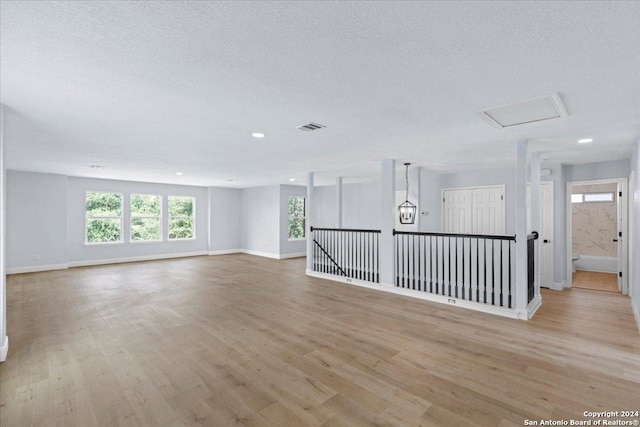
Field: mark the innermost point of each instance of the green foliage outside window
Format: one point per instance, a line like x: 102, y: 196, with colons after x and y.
x: 145, y: 217
x: 104, y: 217
x: 181, y: 217
x: 296, y: 217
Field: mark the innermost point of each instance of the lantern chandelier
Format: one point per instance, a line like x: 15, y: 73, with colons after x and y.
x: 407, y: 209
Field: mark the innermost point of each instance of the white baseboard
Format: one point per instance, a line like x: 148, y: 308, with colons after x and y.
x: 636, y: 313
x: 225, y: 252
x: 597, y: 263
x: 555, y: 286
x: 4, y: 349
x: 259, y: 253
x: 293, y: 255
x: 450, y: 301
x: 533, y: 306
x: 272, y: 255
x: 135, y: 259
x: 37, y: 268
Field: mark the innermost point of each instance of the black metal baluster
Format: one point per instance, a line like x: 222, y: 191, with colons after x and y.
x: 396, y: 242
x: 437, y: 265
x: 493, y: 274
x: 449, y: 262
x: 509, y: 274
x: 501, y: 267
x: 419, y: 263
x: 430, y: 265
x: 463, y: 290
x: 477, y: 270
x: 456, y: 267
x: 484, y: 287
x: 413, y: 267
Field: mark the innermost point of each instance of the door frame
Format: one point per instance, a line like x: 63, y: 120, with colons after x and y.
x: 474, y: 187
x: 623, y: 227
x: 551, y: 211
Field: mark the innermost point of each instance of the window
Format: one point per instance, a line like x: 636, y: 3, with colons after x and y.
x: 296, y: 218
x: 181, y: 217
x: 599, y: 197
x: 593, y: 197
x: 145, y: 218
x: 103, y: 217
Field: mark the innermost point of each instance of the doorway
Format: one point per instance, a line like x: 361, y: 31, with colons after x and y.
x: 597, y: 235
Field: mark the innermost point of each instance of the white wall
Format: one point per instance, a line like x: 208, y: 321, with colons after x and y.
x: 360, y: 206
x: 225, y: 219
x: 4, y: 341
x: 290, y: 247
x: 260, y: 219
x: 37, y: 213
x: 634, y: 285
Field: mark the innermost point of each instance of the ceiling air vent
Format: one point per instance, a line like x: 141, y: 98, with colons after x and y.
x: 310, y: 126
x: 520, y: 113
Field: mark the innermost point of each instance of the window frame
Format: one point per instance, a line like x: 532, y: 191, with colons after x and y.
x: 86, y: 219
x: 159, y: 218
x: 584, y: 196
x: 303, y: 218
x: 192, y: 218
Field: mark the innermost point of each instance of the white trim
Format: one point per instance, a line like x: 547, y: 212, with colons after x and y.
x: 37, y: 268
x: 533, y: 306
x: 636, y: 314
x: 134, y: 259
x: 555, y: 286
x: 4, y: 349
x: 622, y: 213
x: 262, y: 254
x: 226, y: 252
x: 450, y: 301
x: 272, y: 255
x: 293, y: 255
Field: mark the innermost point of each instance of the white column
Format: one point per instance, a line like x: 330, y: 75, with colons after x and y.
x: 4, y: 340
x: 535, y: 214
x: 388, y: 188
x: 308, y: 224
x: 414, y: 195
x: 521, y: 229
x: 339, y: 202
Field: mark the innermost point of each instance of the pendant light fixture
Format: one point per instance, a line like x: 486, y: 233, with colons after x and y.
x: 407, y: 209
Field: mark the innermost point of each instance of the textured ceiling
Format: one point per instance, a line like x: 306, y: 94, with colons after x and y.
x: 152, y: 88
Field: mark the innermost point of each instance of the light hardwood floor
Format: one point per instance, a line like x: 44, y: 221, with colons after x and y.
x: 238, y: 339
x: 595, y: 280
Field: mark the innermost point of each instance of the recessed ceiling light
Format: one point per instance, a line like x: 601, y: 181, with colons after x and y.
x: 257, y: 135
x: 585, y: 140
x: 232, y: 180
x: 179, y: 173
x: 292, y: 179
x: 97, y: 167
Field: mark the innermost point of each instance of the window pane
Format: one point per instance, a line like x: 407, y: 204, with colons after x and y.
x: 145, y: 205
x: 103, y: 204
x: 145, y: 229
x: 181, y: 206
x: 296, y: 228
x: 599, y: 197
x: 103, y: 230
x: 180, y: 229
x: 576, y: 198
x: 296, y: 207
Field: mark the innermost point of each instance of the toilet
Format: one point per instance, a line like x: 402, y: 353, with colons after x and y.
x: 574, y: 258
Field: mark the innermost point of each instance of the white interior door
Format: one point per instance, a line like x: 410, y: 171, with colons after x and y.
x: 545, y: 239
x: 456, y: 211
x: 488, y: 210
